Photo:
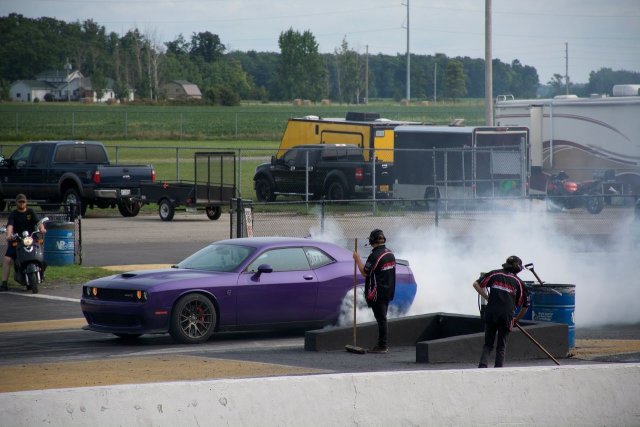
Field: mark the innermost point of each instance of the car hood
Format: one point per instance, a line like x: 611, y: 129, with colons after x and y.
x: 145, y: 279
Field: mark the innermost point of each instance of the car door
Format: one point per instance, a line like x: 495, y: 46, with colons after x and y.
x: 287, y: 294
x: 38, y: 181
x: 15, y: 176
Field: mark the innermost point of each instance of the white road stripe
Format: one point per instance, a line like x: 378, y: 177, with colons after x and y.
x: 43, y: 296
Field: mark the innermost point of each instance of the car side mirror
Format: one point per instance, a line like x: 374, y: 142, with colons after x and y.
x: 264, y: 268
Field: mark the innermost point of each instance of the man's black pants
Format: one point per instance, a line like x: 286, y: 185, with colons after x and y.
x: 380, y: 313
x: 502, y: 326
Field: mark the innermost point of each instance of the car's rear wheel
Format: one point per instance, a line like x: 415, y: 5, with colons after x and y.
x: 345, y: 316
x: 71, y: 197
x: 336, y: 191
x: 193, y: 319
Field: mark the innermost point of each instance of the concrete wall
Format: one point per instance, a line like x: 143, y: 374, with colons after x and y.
x: 583, y: 395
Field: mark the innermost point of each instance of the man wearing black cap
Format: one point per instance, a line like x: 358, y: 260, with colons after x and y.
x: 380, y: 284
x: 21, y: 219
x: 507, y: 293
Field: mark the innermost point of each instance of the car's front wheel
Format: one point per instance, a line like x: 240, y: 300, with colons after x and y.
x: 264, y: 190
x: 193, y: 319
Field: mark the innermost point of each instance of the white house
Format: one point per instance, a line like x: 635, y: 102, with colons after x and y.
x: 29, y: 90
x: 63, y: 85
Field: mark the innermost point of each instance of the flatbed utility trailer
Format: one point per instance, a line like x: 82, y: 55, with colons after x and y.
x: 214, y: 186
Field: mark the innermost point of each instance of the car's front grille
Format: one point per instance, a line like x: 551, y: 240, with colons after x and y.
x: 106, y: 294
x: 102, y: 319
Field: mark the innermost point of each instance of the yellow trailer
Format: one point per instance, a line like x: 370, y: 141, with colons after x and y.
x: 366, y: 130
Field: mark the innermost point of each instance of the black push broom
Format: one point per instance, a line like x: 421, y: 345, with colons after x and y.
x: 354, y: 348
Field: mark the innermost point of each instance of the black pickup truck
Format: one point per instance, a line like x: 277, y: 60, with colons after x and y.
x: 333, y: 171
x: 71, y: 172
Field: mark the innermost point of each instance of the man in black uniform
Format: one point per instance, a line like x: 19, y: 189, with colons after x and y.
x: 380, y: 284
x: 507, y: 293
x: 21, y: 219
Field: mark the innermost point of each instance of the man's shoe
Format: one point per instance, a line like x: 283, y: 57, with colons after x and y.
x: 378, y: 350
x: 4, y: 287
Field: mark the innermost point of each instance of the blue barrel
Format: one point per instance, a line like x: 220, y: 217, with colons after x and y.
x: 554, y: 303
x: 59, y: 243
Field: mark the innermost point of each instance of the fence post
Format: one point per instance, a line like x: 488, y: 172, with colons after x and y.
x: 178, y: 164
x: 239, y: 213
x: 322, y: 217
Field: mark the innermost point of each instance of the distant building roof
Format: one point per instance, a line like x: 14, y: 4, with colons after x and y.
x: 35, y: 84
x: 190, y: 89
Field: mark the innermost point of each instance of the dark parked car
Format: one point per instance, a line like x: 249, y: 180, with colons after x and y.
x: 239, y: 284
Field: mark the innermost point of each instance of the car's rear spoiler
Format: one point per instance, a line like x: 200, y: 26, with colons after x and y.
x: 402, y: 262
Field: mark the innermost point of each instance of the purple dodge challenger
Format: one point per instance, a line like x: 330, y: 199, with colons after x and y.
x: 239, y: 284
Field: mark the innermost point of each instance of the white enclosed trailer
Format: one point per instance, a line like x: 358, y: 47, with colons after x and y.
x: 581, y: 136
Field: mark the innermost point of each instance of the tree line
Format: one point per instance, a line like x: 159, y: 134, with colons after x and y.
x: 141, y: 62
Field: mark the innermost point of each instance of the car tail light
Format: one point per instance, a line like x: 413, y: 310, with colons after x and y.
x: 359, y: 174
x: 96, y: 177
x: 570, y: 187
x: 153, y: 175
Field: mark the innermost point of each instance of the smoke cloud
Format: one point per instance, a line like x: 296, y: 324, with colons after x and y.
x: 446, y: 261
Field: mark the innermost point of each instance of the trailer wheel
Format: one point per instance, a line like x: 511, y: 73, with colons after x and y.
x: 213, y: 212
x: 166, y: 210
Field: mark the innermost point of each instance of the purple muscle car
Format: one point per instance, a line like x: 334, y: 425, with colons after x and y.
x: 239, y: 284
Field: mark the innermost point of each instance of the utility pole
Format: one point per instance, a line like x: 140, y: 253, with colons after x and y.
x: 435, y: 80
x: 566, y: 67
x: 488, y: 66
x: 408, y: 59
x: 366, y: 77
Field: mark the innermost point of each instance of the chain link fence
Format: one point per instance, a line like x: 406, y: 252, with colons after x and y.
x: 458, y: 218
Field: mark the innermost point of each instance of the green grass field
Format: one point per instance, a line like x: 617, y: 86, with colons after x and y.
x: 23, y: 121
x: 168, y: 136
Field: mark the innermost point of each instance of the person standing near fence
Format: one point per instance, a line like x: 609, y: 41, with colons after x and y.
x: 20, y: 219
x: 380, y: 284
x: 507, y: 293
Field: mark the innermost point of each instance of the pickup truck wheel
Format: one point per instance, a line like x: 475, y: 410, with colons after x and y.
x: 71, y: 196
x: 264, y: 190
x: 129, y: 208
x: 335, y: 191
x: 166, y: 210
x: 213, y: 212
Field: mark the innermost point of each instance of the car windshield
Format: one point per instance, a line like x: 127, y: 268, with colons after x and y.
x: 217, y: 257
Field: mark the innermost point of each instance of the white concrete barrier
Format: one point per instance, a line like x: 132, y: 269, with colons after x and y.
x: 579, y: 395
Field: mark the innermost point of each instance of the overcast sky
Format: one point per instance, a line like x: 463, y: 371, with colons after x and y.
x: 599, y: 33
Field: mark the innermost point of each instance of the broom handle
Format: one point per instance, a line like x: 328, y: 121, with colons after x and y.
x: 355, y: 281
x: 537, y: 344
